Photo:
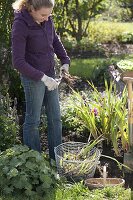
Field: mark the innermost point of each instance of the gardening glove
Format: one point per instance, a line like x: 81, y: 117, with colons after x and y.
x: 49, y: 82
x: 64, y: 68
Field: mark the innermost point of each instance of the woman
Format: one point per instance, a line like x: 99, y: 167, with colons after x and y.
x: 34, y: 43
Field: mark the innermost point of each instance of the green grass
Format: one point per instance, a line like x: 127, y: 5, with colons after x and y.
x: 79, y: 192
x: 128, y: 27
x: 124, y: 26
x: 87, y: 68
x: 129, y: 57
x: 90, y: 68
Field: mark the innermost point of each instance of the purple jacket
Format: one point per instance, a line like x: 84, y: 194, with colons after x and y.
x: 34, y: 45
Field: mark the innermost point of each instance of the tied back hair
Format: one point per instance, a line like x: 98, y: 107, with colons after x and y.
x: 37, y: 4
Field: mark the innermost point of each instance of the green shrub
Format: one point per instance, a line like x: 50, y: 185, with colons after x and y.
x: 16, y: 89
x: 115, y: 12
x: 104, y: 32
x: 69, y: 121
x: 8, y: 132
x: 9, y: 127
x: 126, y: 37
x: 26, y: 172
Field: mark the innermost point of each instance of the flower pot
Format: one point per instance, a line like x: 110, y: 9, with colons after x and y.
x: 97, y: 183
x: 73, y: 168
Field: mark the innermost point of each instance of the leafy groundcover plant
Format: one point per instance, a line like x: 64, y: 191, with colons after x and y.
x: 26, y: 173
x: 79, y: 192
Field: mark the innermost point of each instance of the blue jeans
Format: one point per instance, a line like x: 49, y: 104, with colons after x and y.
x: 37, y: 95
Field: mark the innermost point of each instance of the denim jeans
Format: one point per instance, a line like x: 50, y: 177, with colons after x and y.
x: 36, y: 96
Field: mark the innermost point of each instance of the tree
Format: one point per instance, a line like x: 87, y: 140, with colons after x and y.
x: 128, y: 4
x: 6, y: 16
x: 75, y: 16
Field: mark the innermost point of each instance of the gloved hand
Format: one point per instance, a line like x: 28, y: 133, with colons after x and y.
x: 49, y: 82
x: 64, y: 68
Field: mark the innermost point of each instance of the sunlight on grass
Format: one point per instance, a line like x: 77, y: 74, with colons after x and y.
x: 90, y: 68
x: 125, y: 26
x: 128, y: 27
x: 85, y: 67
x: 104, y: 31
x: 130, y: 57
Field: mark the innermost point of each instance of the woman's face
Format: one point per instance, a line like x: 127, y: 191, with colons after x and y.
x: 41, y: 15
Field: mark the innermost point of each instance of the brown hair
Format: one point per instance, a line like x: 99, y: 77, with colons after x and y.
x: 37, y: 4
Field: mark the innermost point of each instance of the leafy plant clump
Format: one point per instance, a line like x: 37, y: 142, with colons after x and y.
x: 26, y: 172
x: 103, y: 113
x: 79, y: 192
x: 9, y: 125
x: 8, y: 132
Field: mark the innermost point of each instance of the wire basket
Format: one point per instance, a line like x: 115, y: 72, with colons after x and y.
x: 73, y: 168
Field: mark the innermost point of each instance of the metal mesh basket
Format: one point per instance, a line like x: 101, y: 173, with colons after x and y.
x: 73, y: 168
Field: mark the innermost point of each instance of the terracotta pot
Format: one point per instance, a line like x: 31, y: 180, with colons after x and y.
x: 95, y: 183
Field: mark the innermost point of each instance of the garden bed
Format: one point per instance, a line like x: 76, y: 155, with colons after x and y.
x: 69, y: 135
x: 113, y: 170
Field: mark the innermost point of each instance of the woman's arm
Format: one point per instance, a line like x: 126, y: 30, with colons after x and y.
x: 59, y: 49
x: 19, y: 38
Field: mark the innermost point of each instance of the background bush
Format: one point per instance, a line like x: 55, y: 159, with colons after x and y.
x: 9, y: 125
